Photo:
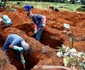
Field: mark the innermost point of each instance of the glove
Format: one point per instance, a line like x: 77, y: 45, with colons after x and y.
x: 23, y: 61
x: 1, y: 19
x: 18, y: 48
x: 35, y: 31
x: 43, y: 24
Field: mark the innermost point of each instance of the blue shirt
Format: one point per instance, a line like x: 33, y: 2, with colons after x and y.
x: 15, y: 39
x: 37, y: 19
x: 28, y: 7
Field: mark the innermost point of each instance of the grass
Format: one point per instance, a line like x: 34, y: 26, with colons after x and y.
x: 44, y: 5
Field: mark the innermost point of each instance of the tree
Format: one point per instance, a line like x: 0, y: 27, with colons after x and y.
x: 73, y: 1
x: 5, y: 2
x: 83, y: 2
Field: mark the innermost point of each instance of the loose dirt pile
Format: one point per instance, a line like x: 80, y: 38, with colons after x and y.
x: 52, y: 36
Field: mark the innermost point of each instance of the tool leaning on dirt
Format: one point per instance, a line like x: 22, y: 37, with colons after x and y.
x: 39, y: 23
x: 19, y: 45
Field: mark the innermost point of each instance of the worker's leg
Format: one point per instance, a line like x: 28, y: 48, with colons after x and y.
x: 17, y: 54
x: 6, y: 45
x: 38, y: 35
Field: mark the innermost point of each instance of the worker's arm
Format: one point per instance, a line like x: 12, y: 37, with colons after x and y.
x: 35, y: 28
x: 20, y: 49
x: 14, y: 45
x: 11, y: 46
x: 44, y: 20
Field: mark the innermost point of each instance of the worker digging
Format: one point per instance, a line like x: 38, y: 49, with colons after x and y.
x: 39, y: 23
x: 17, y: 43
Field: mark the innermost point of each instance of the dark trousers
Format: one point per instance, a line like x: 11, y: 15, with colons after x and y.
x: 6, y: 45
x: 38, y: 34
x: 17, y: 54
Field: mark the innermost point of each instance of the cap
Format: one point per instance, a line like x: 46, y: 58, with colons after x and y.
x: 25, y: 45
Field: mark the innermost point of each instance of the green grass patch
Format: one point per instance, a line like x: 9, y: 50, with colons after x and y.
x: 44, y: 5
x: 82, y: 9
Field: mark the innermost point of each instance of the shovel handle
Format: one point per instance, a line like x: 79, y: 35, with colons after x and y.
x: 22, y: 58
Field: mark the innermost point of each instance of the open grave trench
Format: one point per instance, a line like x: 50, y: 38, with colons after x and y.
x: 32, y: 58
x: 48, y: 38
x: 51, y: 37
x: 37, y: 56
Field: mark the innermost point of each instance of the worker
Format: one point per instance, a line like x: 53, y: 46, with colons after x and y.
x: 28, y: 7
x: 17, y: 43
x: 5, y: 21
x: 39, y: 23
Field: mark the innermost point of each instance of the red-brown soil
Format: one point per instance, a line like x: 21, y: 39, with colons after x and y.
x: 4, y: 62
x: 52, y: 36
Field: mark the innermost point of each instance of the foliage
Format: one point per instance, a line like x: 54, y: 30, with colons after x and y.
x: 83, y: 2
x: 1, y: 4
x: 18, y: 3
x: 72, y: 58
x: 45, y: 5
x: 82, y: 8
x: 60, y: 49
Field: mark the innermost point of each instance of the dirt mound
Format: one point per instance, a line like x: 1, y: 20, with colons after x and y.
x: 4, y: 62
x: 38, y: 55
x: 56, y: 20
x: 2, y: 9
x: 18, y: 18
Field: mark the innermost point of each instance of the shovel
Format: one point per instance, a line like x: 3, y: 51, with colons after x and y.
x: 22, y: 58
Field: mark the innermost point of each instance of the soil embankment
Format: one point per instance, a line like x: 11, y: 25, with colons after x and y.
x: 44, y: 51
